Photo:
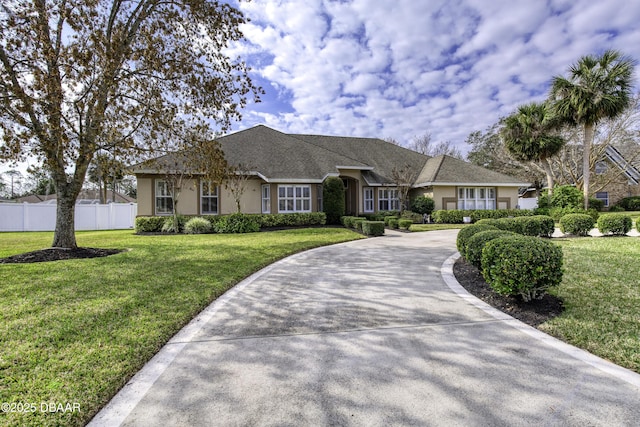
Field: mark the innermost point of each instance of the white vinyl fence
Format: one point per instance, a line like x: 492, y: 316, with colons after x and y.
x: 42, y: 217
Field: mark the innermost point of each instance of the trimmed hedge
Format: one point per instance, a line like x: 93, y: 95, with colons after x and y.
x: 404, y: 224
x: 477, y: 242
x: 357, y: 223
x: 468, y: 231
x: 149, y: 224
x: 522, y: 265
x: 290, y: 219
x: 236, y: 223
x: 638, y: 224
x: 577, y: 224
x: 615, y: 224
x: 630, y: 203
x: 373, y: 228
x: 537, y: 225
x: 388, y: 218
x: 198, y: 225
x: 456, y: 216
x: 558, y: 213
x: 393, y: 223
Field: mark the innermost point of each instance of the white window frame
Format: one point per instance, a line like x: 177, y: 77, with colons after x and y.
x: 209, y: 196
x: 266, y: 198
x: 292, y: 198
x: 604, y: 196
x: 388, y: 199
x: 162, y: 193
x: 477, y: 198
x: 368, y: 199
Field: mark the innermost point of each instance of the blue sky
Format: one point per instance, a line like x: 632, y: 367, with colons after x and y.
x: 402, y: 68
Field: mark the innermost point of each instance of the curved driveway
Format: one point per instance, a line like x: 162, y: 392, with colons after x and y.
x: 369, y: 333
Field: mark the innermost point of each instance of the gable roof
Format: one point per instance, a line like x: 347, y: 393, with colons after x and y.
x: 279, y: 157
x: 447, y: 170
x: 629, y: 170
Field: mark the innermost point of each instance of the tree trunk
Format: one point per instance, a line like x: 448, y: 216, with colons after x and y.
x: 586, y: 162
x: 547, y: 170
x: 64, y: 236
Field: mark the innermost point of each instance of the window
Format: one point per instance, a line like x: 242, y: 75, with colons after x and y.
x: 294, y: 198
x: 481, y: 198
x: 164, y: 201
x: 604, y: 196
x: 208, y: 198
x: 266, y: 198
x: 388, y: 200
x: 368, y: 199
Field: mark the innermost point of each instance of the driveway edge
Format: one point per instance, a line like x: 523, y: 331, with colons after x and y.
x: 610, y: 368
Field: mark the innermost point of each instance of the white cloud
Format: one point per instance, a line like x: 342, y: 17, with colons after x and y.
x: 401, y: 68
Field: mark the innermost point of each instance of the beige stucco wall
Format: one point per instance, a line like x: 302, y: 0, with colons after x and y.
x: 507, y: 197
x: 445, y: 197
x: 189, y: 196
x: 250, y: 202
x: 145, y: 196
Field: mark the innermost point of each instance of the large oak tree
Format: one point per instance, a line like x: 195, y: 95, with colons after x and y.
x: 122, y: 76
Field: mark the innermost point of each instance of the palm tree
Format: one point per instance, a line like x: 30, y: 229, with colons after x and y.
x: 597, y: 88
x: 529, y: 135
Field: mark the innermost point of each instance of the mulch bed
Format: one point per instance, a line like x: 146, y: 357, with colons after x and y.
x: 57, y: 254
x: 532, y: 313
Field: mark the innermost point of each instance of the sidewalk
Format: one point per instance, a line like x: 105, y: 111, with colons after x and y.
x: 369, y: 333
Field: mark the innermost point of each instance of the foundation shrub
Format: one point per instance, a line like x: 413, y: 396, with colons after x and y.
x: 388, y: 218
x: 174, y: 224
x: 522, y: 266
x: 615, y: 224
x: 357, y: 223
x: 237, y: 223
x: 393, y: 223
x: 630, y: 203
x: 468, y: 231
x: 333, y: 199
x: 576, y: 224
x: 373, y: 228
x: 404, y: 224
x: 423, y: 205
x: 477, y: 242
x: 149, y: 224
x: 198, y: 225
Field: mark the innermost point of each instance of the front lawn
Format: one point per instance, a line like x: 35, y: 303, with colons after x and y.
x: 74, y: 332
x: 601, y: 293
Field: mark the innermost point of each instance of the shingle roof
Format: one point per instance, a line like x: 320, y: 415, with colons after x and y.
x: 449, y: 170
x: 280, y: 157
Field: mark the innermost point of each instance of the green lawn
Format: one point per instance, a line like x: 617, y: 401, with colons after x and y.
x: 601, y: 293
x: 73, y: 332
x: 432, y: 227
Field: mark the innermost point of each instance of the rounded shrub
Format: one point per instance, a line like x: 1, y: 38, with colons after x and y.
x: 373, y: 228
x: 477, y: 242
x: 576, y: 224
x: 468, y: 231
x: 615, y: 224
x: 538, y: 225
x: 521, y: 265
x: 423, y: 205
x: 507, y: 224
x: 630, y: 203
x: 333, y: 199
x: 567, y: 196
x: 149, y: 224
x: 388, y: 218
x: 198, y: 225
x: 404, y: 224
x: 393, y: 223
x: 488, y: 221
x: 174, y: 224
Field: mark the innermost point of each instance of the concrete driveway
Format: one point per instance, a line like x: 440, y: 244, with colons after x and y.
x: 369, y: 333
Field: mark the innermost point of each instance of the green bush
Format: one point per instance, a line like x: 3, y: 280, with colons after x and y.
x: 537, y: 225
x: 149, y: 224
x: 558, y: 213
x: 616, y: 208
x: 236, y: 223
x: 521, y: 265
x: 485, y: 221
x: 297, y: 219
x: 456, y: 216
x: 333, y: 199
x: 404, y: 224
x: 615, y: 224
x: 630, y: 203
x: 357, y: 223
x: 174, y: 224
x: 596, y: 204
x: 475, y: 244
x: 414, y: 217
x: 373, y: 228
x: 423, y: 205
x: 393, y: 223
x: 576, y: 224
x: 507, y: 224
x: 449, y: 217
x: 388, y: 218
x: 198, y: 225
x: 567, y: 196
x: 638, y: 224
x: 468, y: 231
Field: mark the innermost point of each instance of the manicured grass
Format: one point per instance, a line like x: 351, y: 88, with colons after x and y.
x: 433, y: 227
x: 602, y: 298
x: 75, y: 331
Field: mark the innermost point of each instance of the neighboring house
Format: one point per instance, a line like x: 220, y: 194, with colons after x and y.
x: 287, y: 172
x: 615, y: 178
